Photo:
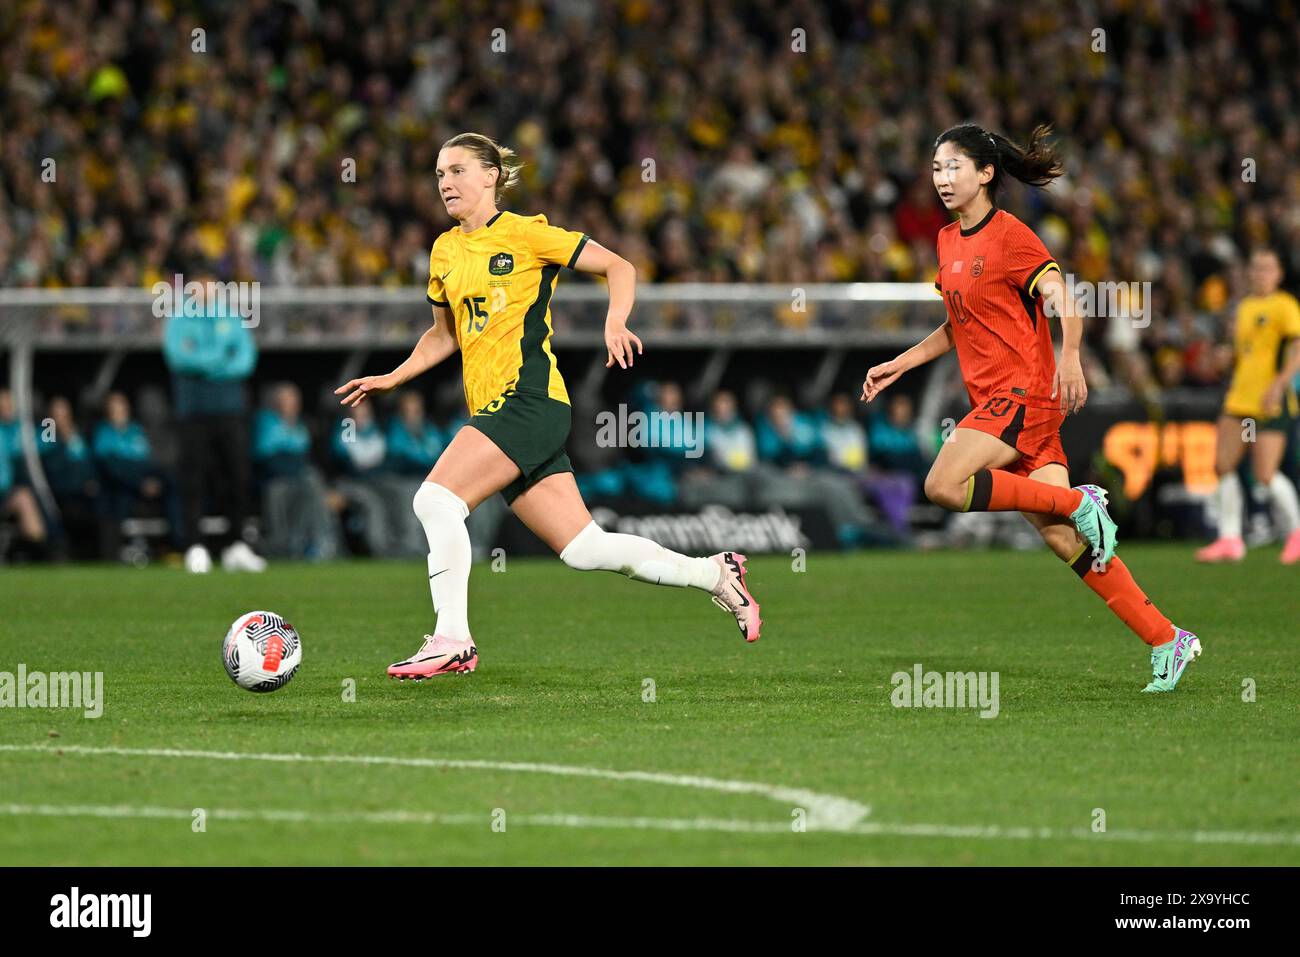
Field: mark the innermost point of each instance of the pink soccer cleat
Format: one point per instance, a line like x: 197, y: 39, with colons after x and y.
x: 1291, y: 550
x: 437, y: 656
x: 1222, y: 550
x: 732, y: 596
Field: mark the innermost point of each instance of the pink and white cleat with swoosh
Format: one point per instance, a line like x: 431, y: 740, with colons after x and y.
x: 1222, y: 550
x: 437, y: 656
x: 1291, y: 550
x: 732, y: 596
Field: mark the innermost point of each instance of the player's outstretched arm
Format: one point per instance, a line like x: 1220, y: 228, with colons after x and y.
x: 1068, y: 387
x: 435, y: 345
x: 621, y: 276
x: 1277, y: 388
x: 882, y: 376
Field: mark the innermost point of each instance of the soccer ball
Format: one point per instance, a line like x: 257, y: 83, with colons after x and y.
x: 261, y: 651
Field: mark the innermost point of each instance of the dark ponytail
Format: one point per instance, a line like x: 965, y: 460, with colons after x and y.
x: 1035, y: 163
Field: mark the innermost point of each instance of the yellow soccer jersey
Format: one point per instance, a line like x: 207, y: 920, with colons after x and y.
x: 1264, y: 329
x: 497, y: 281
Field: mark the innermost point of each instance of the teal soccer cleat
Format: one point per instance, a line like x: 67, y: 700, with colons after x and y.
x: 1170, y: 660
x: 1094, y: 522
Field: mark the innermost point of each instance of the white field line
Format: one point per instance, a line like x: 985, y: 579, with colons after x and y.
x: 823, y: 811
x: 426, y: 818
x: 996, y: 832
x: 584, y: 821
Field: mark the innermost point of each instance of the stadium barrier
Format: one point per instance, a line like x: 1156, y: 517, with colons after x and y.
x: 744, y: 315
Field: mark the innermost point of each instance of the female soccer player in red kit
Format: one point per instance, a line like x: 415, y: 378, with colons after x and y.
x: 1000, y: 285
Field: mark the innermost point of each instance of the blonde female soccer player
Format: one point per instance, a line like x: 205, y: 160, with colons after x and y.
x: 1266, y: 336
x: 490, y: 283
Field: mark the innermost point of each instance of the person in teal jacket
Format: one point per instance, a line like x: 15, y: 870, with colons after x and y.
x: 211, y: 356
x: 414, y: 443
x: 74, y: 482
x: 129, y: 475
x: 16, y: 498
x: 281, y: 442
x: 11, y: 447
x: 359, y: 450
x: 120, y: 447
x: 297, y: 520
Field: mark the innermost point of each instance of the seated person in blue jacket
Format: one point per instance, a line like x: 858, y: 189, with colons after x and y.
x: 16, y: 498
x: 657, y: 450
x: 359, y: 447
x: 11, y: 436
x: 895, y: 444
x: 797, y: 473
x: 79, y: 528
x: 359, y: 451
x: 900, y: 464
x: 726, y: 473
x: 296, y: 519
x: 788, y: 439
x: 414, y: 443
x: 129, y: 476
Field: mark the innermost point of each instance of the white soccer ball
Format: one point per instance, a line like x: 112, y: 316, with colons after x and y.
x: 261, y: 651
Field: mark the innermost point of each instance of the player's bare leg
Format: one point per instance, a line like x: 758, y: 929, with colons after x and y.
x: 1172, y: 648
x: 1229, y: 447
x: 1266, y: 461
x: 473, y: 467
x: 963, y: 453
x: 967, y: 476
x: 554, y: 511
x: 470, y: 469
x: 31, y: 525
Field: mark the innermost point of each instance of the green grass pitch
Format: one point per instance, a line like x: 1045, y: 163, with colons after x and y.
x: 804, y: 717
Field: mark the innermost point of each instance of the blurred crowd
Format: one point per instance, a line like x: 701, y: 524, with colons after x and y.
x: 323, y: 486
x: 775, y: 140
x: 864, y: 472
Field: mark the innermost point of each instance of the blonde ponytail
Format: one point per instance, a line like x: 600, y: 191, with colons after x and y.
x: 493, y: 156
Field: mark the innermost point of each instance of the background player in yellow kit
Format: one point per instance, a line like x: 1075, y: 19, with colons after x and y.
x: 1266, y: 334
x: 490, y: 285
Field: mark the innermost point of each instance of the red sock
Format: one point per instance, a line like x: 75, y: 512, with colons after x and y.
x: 1122, y: 596
x: 992, y: 490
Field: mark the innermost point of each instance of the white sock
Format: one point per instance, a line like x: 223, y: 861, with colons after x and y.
x: 443, y: 514
x: 1230, y: 505
x: 1285, y: 503
x: 638, y: 558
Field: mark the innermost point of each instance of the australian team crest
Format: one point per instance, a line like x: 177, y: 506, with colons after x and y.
x: 501, y: 264
x: 977, y: 267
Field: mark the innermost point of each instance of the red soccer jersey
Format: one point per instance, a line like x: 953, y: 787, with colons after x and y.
x: 988, y: 277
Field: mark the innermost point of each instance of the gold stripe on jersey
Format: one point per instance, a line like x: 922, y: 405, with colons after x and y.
x: 1039, y: 273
